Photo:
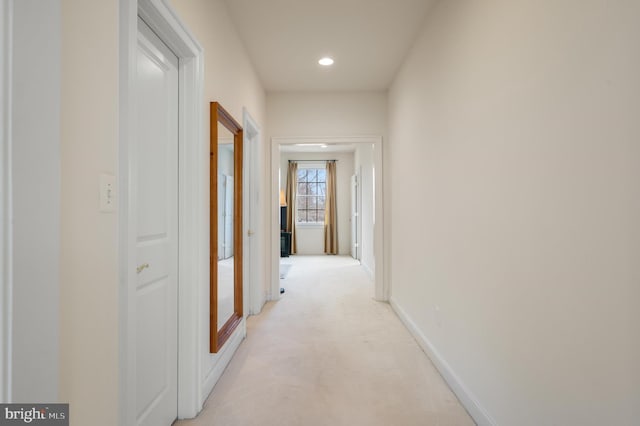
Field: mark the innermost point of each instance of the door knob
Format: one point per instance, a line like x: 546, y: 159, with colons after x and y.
x: 142, y: 267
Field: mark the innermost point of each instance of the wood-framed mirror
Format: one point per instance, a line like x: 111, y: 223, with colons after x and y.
x: 225, y: 219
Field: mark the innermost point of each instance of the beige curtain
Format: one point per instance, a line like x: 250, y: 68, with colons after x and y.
x: 292, y: 186
x: 331, y: 212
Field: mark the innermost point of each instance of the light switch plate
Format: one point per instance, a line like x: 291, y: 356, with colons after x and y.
x: 107, y: 193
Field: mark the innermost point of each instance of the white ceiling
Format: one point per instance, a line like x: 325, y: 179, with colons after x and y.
x: 367, y: 38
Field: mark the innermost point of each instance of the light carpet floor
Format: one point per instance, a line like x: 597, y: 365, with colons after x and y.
x: 284, y: 268
x: 328, y: 354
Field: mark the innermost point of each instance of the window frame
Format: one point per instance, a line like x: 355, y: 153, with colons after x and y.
x: 310, y: 165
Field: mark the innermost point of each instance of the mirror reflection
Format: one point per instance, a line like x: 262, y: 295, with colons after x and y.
x: 225, y: 220
x: 225, y: 226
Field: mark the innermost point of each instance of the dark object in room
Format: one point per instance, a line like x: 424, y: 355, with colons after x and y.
x: 283, y: 218
x: 285, y: 244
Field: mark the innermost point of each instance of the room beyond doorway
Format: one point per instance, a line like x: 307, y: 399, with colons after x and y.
x: 360, y: 156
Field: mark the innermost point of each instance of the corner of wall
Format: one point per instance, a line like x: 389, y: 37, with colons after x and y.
x: 5, y: 200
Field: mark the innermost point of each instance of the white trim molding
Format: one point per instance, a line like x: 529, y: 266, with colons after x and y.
x: 254, y: 292
x: 382, y: 290
x: 193, y: 160
x: 6, y: 14
x: 224, y: 357
x: 479, y: 414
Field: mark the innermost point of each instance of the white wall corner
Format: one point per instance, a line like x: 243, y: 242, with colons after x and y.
x: 274, y: 207
x: 35, y: 49
x: 479, y: 414
x: 383, y: 284
x: 6, y: 13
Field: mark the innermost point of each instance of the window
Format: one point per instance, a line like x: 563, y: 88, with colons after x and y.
x: 312, y: 184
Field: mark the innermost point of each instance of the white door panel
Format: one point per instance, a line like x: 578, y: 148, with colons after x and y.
x: 155, y: 196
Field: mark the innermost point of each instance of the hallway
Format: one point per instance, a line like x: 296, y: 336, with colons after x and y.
x: 328, y: 354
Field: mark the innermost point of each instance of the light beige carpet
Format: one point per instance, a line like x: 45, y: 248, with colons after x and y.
x: 328, y: 354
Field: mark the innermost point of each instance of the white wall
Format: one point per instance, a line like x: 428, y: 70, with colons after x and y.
x: 36, y: 199
x: 515, y: 198
x: 230, y: 80
x: 89, y: 245
x: 310, y: 239
x: 327, y: 114
x: 5, y: 227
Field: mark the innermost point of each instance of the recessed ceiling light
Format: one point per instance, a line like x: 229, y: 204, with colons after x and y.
x: 326, y: 61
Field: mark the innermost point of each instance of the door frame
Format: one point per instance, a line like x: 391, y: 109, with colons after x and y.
x: 6, y: 281
x: 355, y: 242
x: 382, y: 290
x: 192, y: 243
x: 254, y: 291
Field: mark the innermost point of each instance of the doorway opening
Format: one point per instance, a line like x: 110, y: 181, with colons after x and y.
x: 358, y: 200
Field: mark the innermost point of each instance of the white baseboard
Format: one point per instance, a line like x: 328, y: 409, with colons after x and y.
x: 368, y: 270
x: 224, y: 357
x: 468, y: 400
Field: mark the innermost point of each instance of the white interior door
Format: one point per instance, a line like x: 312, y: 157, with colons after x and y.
x: 355, y: 217
x: 155, y: 198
